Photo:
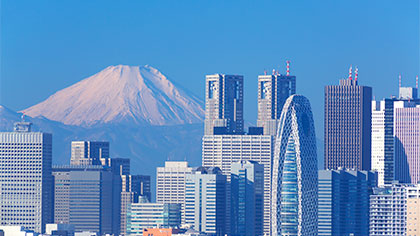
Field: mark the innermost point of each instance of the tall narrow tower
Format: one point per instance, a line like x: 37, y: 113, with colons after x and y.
x: 348, y: 125
x: 224, y: 104
x: 273, y: 90
x: 295, y: 176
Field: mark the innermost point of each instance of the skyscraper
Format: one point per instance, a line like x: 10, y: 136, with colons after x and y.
x: 224, y: 104
x: 138, y: 184
x: 170, y: 183
x: 388, y: 209
x: 273, y: 90
x: 295, y: 175
x: 343, y: 202
x: 407, y: 141
x: 247, y: 190
x: 25, y: 178
x: 120, y: 166
x: 205, y: 200
x: 133, y: 187
x: 88, y: 152
x: 347, y: 125
x: 223, y: 150
x: 383, y: 140
x: 87, y: 197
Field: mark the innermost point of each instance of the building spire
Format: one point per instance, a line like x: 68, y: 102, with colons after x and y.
x: 417, y: 82
x: 350, y: 71
x: 287, y: 67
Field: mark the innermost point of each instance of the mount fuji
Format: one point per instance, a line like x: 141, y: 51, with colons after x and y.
x: 122, y: 94
x: 143, y: 115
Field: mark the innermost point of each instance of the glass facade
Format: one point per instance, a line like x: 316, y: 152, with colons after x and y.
x: 295, y: 173
x: 289, y: 192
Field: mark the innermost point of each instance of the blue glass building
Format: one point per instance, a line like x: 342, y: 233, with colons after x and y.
x: 295, y: 174
x: 247, y: 191
x: 343, y: 201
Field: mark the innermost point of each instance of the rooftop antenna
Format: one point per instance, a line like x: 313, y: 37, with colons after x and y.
x: 350, y: 71
x: 265, y: 72
x: 417, y: 82
x: 287, y: 67
x: 399, y: 81
x: 23, y: 116
x: 274, y: 71
x: 356, y: 73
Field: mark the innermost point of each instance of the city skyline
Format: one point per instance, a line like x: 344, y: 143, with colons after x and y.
x: 209, y: 119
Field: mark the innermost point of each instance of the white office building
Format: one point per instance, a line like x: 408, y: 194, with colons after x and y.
x: 170, y: 183
x: 383, y: 140
x: 389, y: 212
x: 224, y: 150
x: 88, y: 152
x: 25, y: 178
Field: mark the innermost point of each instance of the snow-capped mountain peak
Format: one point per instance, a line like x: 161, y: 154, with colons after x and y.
x: 120, y: 94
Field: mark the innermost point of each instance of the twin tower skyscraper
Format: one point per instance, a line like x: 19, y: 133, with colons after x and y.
x: 225, y: 107
x: 290, y: 176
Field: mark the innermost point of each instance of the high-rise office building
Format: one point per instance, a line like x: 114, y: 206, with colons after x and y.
x: 25, y: 178
x: 347, y: 126
x: 87, y: 197
x: 388, y: 208
x: 224, y: 104
x: 273, y: 90
x: 383, y: 140
x: 343, y: 202
x: 223, y: 150
x: 133, y: 187
x: 170, y: 183
x: 295, y: 173
x: 407, y: 141
x: 145, y: 215
x: 408, y: 93
x: 88, y: 152
x: 205, y: 200
x: 120, y: 166
x: 247, y: 195
x: 138, y: 184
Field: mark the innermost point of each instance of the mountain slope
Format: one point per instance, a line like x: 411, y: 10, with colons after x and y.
x: 146, y: 146
x: 122, y: 95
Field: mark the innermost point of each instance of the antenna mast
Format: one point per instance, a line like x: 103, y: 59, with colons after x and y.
x: 399, y: 81
x: 350, y: 71
x: 356, y: 73
x: 288, y: 68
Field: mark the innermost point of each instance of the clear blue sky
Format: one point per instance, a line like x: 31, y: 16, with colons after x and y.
x: 49, y: 45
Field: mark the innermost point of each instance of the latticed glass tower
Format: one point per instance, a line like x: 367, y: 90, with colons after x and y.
x: 295, y: 175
